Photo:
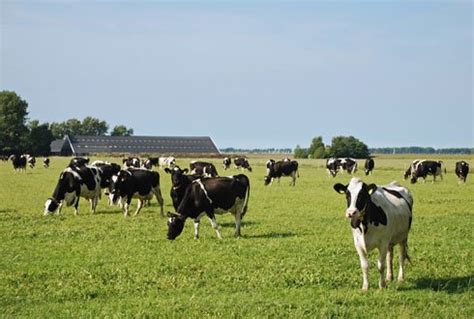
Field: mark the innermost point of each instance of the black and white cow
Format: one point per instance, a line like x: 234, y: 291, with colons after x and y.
x: 349, y: 165
x: 462, y: 170
x: 75, y: 182
x: 19, y: 162
x: 269, y: 164
x: 425, y: 168
x: 131, y: 162
x: 381, y: 218
x: 150, y: 162
x: 136, y: 183
x: 369, y: 166
x: 411, y: 169
x: 242, y: 162
x: 167, y: 161
x: 203, y: 168
x: 279, y: 169
x: 46, y: 162
x: 106, y: 171
x: 179, y: 183
x: 333, y: 165
x: 226, y: 163
x: 79, y: 161
x: 211, y: 196
x: 31, y: 160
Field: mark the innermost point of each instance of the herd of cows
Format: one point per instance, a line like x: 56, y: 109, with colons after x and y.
x: 380, y: 216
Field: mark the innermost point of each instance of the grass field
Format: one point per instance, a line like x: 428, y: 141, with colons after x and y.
x: 296, y: 257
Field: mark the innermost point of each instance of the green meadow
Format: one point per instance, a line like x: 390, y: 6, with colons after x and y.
x: 295, y: 258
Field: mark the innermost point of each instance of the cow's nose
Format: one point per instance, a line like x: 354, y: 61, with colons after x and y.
x: 350, y: 212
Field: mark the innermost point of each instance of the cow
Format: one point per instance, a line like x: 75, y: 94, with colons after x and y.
x: 136, y: 183
x: 203, y: 168
x: 211, y: 196
x: 425, y: 168
x: 369, y: 166
x: 150, y: 162
x: 31, y: 160
x: 462, y: 170
x: 286, y: 159
x: 179, y: 183
x: 242, y: 162
x: 19, y: 162
x: 75, y: 182
x: 106, y: 171
x: 226, y: 163
x: 349, y: 165
x: 131, y: 162
x: 279, y: 169
x: 333, y: 166
x: 269, y: 164
x: 169, y: 162
x: 411, y: 169
x: 79, y: 161
x: 46, y: 162
x: 380, y: 217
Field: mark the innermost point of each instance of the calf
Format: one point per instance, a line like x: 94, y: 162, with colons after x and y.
x: 381, y: 218
x: 242, y: 162
x: 19, y: 162
x: 462, y: 170
x: 369, y: 166
x: 46, y: 162
x: 75, y: 182
x: 179, y: 183
x: 425, y: 168
x: 203, y: 168
x: 211, y: 196
x: 131, y: 162
x: 279, y: 169
x: 333, y: 166
x: 226, y: 163
x: 136, y: 183
x: 79, y: 161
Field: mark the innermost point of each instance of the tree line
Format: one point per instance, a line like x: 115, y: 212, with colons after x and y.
x: 341, y: 146
x: 271, y: 150
x: 421, y: 150
x: 18, y: 134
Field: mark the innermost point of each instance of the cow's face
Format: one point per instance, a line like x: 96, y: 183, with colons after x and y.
x: 117, y: 184
x: 357, y: 196
x: 175, y: 226
x: 176, y: 174
x: 267, y: 180
x: 50, y: 206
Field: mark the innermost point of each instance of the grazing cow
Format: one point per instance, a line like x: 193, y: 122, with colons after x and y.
x: 369, y: 166
x: 242, y: 162
x: 169, y: 162
x: 269, y: 164
x: 280, y: 169
x: 425, y: 168
x: 349, y: 165
x: 381, y: 218
x: 150, y: 162
x: 75, y: 182
x: 19, y: 162
x: 131, y: 162
x: 226, y: 163
x: 79, y: 161
x: 203, y: 168
x: 333, y: 165
x: 462, y: 170
x: 46, y: 162
x: 179, y: 183
x: 136, y: 183
x: 31, y: 160
x: 411, y: 169
x: 211, y: 196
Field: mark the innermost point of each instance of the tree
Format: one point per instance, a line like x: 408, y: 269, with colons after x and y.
x: 13, y: 130
x: 93, y: 126
x: 317, y: 148
x: 300, y: 152
x: 39, y: 139
x: 121, y: 130
x: 88, y: 126
x: 343, y: 146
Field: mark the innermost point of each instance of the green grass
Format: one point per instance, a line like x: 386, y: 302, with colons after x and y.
x: 296, y: 257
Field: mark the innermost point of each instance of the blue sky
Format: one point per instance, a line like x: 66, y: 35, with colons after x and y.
x: 249, y: 74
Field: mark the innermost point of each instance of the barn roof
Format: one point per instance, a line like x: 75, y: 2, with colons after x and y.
x: 142, y: 144
x: 57, y: 145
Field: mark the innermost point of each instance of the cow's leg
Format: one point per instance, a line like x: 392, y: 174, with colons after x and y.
x: 401, y: 259
x: 139, y: 206
x: 212, y: 218
x: 126, y: 205
x: 159, y: 198
x: 60, y: 208
x: 76, y: 206
x: 238, y: 222
x: 381, y: 265
x: 390, y: 263
x: 364, y: 264
x: 197, y: 222
x: 293, y: 176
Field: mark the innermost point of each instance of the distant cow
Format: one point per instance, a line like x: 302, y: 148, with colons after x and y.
x: 411, y: 168
x: 131, y: 162
x: 242, y: 162
x: 349, y: 165
x: 179, y: 183
x: 226, y: 163
x: 279, y: 169
x: 203, y: 168
x: 462, y: 170
x: 31, y: 160
x: 46, y: 162
x: 211, y: 196
x: 75, y: 182
x: 150, y: 162
x: 79, y: 161
x: 168, y: 161
x: 380, y: 217
x: 369, y: 166
x: 425, y: 168
x: 136, y: 183
x: 333, y: 165
x: 19, y: 162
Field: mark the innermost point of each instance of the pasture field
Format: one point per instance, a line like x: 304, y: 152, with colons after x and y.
x: 296, y: 257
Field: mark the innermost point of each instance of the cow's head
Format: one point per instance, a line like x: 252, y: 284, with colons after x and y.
x: 175, y: 225
x: 118, y: 184
x: 177, y: 174
x: 270, y: 163
x: 50, y: 206
x: 267, y: 180
x: 357, y: 196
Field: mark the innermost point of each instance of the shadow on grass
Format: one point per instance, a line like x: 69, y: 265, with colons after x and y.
x: 3, y: 211
x: 453, y: 285
x: 272, y: 235
x: 232, y: 224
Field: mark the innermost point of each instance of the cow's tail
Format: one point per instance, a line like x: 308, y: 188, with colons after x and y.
x: 405, y: 252
x: 246, y: 201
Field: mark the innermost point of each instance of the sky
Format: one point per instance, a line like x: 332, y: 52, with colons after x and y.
x: 250, y: 74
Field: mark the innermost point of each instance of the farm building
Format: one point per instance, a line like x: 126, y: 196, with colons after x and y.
x: 85, y: 145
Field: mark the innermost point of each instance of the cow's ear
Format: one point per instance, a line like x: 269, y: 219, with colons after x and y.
x: 371, y: 188
x: 341, y: 189
x: 185, y: 171
x: 167, y: 170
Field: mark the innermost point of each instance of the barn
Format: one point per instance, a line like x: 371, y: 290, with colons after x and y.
x: 169, y: 145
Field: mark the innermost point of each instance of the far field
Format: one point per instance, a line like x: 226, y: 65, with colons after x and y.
x: 296, y: 257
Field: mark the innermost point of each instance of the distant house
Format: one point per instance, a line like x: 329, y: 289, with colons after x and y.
x: 166, y: 145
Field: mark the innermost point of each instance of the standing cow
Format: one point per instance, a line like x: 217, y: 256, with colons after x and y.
x: 226, y: 163
x: 381, y: 218
x: 333, y: 166
x: 242, y: 162
x: 424, y: 168
x: 462, y: 170
x: 203, y: 168
x: 131, y: 162
x: 179, y: 183
x: 19, y: 162
x: 46, y: 162
x: 369, y: 166
x: 281, y: 168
